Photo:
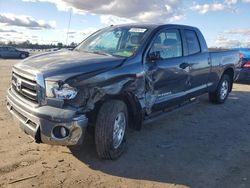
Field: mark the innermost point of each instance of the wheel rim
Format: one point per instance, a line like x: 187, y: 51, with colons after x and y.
x: 23, y: 56
x: 119, y: 129
x: 224, y: 89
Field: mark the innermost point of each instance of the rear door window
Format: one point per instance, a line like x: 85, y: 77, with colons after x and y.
x: 193, y: 44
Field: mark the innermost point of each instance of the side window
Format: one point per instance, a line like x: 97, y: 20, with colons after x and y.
x: 192, y: 42
x: 167, y: 44
x: 11, y: 49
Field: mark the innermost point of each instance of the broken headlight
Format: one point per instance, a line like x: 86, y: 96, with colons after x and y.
x: 60, y: 90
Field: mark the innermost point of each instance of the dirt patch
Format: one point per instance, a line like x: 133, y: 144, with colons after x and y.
x: 202, y: 145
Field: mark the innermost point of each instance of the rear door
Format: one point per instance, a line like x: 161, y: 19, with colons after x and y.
x: 197, y: 61
x: 166, y: 79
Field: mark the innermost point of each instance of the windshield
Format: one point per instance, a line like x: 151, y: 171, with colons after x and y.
x: 122, y: 41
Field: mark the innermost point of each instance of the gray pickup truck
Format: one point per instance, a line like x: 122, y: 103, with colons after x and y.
x: 114, y: 80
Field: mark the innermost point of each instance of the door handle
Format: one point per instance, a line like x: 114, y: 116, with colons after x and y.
x: 184, y: 65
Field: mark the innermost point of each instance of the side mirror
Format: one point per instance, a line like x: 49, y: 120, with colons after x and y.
x: 154, y: 56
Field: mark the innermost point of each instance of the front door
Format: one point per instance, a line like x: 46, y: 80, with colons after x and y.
x: 167, y: 77
x: 12, y: 53
x: 5, y: 52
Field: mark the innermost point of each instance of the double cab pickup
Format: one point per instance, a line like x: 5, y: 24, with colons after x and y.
x: 114, y: 80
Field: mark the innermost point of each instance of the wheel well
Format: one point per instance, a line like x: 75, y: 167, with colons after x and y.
x: 230, y: 73
x: 134, y: 109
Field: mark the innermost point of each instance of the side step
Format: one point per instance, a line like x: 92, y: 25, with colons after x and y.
x: 161, y: 114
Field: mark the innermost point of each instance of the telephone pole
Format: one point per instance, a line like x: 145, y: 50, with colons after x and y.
x: 70, y: 14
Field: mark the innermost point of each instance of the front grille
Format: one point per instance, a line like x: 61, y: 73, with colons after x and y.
x: 25, y: 86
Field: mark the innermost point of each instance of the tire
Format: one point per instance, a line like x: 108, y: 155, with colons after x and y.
x: 110, y: 113
x: 23, y: 56
x: 222, y: 91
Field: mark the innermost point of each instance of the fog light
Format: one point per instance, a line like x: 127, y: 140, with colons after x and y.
x: 60, y: 132
x: 63, y: 132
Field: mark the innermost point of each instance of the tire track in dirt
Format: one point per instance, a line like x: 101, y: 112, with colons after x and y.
x: 15, y: 166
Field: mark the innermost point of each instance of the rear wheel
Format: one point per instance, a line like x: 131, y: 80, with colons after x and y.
x: 110, y: 130
x: 222, y: 91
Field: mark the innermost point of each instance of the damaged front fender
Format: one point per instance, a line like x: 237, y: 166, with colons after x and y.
x: 126, y: 82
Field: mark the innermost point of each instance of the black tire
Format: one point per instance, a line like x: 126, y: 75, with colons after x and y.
x: 23, y: 56
x: 217, y: 97
x: 104, y: 129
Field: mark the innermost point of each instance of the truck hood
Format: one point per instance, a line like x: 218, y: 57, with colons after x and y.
x: 70, y: 63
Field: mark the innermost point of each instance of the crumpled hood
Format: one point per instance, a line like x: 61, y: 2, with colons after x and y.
x: 58, y: 63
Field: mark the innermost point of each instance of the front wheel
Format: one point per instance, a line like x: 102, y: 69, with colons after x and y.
x: 23, y: 56
x: 222, y: 91
x: 110, y: 129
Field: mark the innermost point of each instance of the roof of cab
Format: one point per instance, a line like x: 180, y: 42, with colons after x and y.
x: 152, y: 25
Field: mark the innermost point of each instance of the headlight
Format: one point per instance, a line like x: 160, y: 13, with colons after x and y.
x: 60, y: 90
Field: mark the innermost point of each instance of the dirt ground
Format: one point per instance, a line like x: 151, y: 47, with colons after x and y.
x: 201, y: 145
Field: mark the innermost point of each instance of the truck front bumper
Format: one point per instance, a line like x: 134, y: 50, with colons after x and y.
x: 46, y: 124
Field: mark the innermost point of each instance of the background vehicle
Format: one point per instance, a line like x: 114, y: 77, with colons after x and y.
x: 244, y: 68
x: 11, y: 52
x: 115, y: 79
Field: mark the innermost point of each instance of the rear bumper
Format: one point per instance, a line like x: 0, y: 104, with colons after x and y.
x: 244, y: 75
x: 41, y: 122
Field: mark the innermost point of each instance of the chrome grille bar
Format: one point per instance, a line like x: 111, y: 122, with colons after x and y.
x: 26, y: 86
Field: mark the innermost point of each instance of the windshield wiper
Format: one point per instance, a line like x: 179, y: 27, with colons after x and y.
x: 101, y: 53
x: 95, y: 52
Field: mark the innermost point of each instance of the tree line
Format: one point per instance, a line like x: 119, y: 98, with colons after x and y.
x: 29, y: 45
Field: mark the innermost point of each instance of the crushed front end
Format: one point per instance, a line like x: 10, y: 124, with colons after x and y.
x: 46, y: 121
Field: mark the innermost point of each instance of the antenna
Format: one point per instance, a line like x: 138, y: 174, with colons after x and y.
x: 70, y: 13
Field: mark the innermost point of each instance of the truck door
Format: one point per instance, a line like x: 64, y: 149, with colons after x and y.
x: 167, y: 77
x: 4, y: 52
x: 12, y: 53
x: 197, y: 61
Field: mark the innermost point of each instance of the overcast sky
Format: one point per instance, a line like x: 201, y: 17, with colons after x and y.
x: 224, y: 23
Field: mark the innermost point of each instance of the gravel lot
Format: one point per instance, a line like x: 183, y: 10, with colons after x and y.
x: 201, y: 145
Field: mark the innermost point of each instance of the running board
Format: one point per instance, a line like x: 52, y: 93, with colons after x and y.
x: 161, y: 114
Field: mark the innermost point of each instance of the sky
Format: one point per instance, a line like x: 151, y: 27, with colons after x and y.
x: 224, y: 23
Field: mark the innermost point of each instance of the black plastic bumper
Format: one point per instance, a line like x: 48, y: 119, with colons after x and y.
x: 244, y: 74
